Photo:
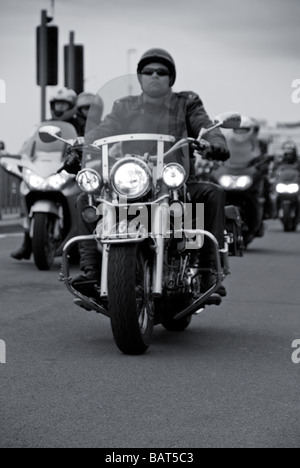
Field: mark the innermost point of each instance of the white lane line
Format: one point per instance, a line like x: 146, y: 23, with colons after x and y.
x: 5, y: 236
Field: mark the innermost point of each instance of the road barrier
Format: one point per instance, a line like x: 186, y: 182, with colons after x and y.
x: 9, y: 194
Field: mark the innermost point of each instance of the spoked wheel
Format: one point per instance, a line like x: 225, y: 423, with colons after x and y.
x: 43, y: 242
x: 130, y: 300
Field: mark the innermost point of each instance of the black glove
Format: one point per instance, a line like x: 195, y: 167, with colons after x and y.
x: 72, y: 164
x: 218, y: 152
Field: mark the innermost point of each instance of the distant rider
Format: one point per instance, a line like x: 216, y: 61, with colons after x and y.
x: 63, y: 108
x: 89, y: 106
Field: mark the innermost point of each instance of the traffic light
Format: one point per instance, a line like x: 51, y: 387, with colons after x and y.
x: 47, y: 52
x: 74, y: 67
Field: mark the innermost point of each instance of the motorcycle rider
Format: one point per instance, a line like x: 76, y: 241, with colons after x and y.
x: 290, y: 154
x: 152, y: 112
x: 88, y: 103
x: 63, y: 108
x: 243, y: 143
x: 246, y: 149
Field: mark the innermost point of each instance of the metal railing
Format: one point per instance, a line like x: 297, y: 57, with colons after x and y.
x: 9, y: 195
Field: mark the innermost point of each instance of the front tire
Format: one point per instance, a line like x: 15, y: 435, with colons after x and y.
x: 172, y: 305
x: 43, y: 243
x: 288, y: 221
x: 130, y: 301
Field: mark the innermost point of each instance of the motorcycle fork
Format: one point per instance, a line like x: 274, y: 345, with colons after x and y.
x: 159, y: 233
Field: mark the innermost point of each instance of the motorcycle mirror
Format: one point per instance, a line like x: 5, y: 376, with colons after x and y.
x: 229, y: 120
x: 2, y: 146
x: 49, y: 133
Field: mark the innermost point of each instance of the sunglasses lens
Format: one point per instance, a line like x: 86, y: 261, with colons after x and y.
x: 158, y: 71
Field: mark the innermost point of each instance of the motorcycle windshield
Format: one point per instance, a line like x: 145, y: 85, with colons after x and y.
x: 129, y: 116
x: 288, y: 174
x: 37, y: 151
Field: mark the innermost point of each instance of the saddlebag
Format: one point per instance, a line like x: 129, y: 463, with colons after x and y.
x: 234, y: 229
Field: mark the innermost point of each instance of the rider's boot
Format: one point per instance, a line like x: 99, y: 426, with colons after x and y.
x: 208, y: 281
x: 24, y: 253
x: 86, y: 283
x: 209, y: 278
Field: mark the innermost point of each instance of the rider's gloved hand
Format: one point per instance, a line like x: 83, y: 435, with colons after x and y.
x: 218, y: 153
x: 73, y: 162
x: 79, y: 142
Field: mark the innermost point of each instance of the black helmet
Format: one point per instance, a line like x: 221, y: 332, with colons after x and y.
x: 160, y: 56
x: 290, y: 152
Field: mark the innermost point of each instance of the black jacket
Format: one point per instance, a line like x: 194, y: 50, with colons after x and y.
x: 180, y: 115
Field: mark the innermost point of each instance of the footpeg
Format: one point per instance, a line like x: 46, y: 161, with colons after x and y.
x: 214, y: 299
x: 82, y: 305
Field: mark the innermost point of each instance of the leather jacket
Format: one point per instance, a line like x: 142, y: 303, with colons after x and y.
x: 180, y: 114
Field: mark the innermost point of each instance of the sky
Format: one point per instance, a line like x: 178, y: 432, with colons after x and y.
x: 238, y: 55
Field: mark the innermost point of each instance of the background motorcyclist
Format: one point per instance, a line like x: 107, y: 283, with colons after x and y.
x: 159, y: 110
x: 63, y: 108
x: 88, y: 105
x: 246, y: 149
x: 290, y: 154
x: 243, y: 143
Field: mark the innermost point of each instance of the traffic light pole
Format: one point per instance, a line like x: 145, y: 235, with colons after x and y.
x: 71, y: 62
x: 43, y: 63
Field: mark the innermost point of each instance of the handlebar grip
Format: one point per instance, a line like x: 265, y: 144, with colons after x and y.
x: 61, y: 169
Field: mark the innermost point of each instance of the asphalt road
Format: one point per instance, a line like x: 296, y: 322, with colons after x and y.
x: 228, y: 381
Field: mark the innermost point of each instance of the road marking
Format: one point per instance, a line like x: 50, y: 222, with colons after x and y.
x: 4, y: 236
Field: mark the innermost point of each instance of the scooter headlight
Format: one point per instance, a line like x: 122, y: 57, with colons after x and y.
x: 58, y: 181
x: 174, y: 176
x: 229, y: 182
x: 89, y: 181
x: 131, y: 178
x: 34, y: 181
x: 54, y: 182
x: 287, y: 188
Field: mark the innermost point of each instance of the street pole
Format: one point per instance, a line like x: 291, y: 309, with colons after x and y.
x: 43, y: 63
x: 71, y: 62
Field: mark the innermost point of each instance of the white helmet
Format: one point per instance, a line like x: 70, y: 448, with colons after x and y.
x: 245, y: 131
x: 63, y: 95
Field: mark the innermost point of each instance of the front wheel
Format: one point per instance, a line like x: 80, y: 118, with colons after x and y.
x: 43, y: 242
x: 289, y: 222
x: 130, y: 300
x: 170, y: 306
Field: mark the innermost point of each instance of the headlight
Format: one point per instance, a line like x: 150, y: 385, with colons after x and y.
x: 131, y: 178
x: 34, y: 181
x: 174, y: 176
x: 89, y: 181
x: 229, y: 182
x: 287, y: 188
x: 58, y: 181
x: 54, y: 182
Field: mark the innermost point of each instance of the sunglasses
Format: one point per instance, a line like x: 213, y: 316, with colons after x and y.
x: 159, y: 71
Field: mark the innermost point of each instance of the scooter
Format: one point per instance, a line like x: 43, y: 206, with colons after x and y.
x: 285, y: 196
x: 48, y: 198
